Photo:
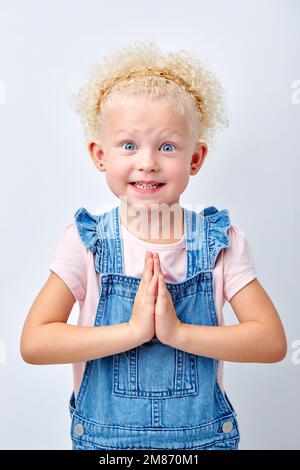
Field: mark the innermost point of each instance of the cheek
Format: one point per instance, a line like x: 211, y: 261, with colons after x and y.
x: 179, y: 176
x: 117, y: 173
x: 178, y: 173
x: 117, y: 177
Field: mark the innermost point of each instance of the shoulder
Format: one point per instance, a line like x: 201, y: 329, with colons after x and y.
x: 69, y: 247
x: 238, y: 262
x: 238, y: 242
x: 70, y: 240
x: 69, y: 232
x: 70, y: 261
x: 239, y: 247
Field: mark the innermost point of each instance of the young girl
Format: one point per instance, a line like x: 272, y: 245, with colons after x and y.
x: 150, y: 276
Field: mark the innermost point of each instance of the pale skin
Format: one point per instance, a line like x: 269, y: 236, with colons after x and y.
x: 148, y: 126
x: 46, y: 336
x: 259, y: 337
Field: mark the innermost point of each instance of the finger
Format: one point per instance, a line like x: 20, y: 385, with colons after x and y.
x: 153, y: 286
x: 156, y: 260
x: 161, y: 284
x: 154, y: 281
x: 145, y: 263
x: 148, y: 255
x: 148, y: 270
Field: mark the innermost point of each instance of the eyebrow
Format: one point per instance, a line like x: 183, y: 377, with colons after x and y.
x: 180, y: 134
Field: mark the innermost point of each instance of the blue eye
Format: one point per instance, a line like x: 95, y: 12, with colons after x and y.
x: 125, y: 143
x: 168, y: 144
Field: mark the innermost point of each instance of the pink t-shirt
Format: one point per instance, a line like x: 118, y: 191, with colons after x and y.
x: 74, y: 264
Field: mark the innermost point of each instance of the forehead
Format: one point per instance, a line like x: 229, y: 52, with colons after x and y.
x: 141, y: 114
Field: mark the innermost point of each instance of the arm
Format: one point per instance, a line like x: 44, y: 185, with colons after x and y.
x: 259, y: 337
x: 47, y: 339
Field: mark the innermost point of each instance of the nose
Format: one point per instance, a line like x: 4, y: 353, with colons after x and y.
x: 147, y: 162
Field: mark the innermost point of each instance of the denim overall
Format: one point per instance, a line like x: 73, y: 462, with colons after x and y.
x: 154, y: 396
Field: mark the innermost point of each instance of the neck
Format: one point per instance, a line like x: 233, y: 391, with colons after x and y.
x: 162, y: 224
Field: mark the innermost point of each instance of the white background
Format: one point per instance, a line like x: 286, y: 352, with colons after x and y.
x: 46, y: 48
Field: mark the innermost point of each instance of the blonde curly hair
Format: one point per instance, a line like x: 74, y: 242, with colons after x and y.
x: 204, y: 122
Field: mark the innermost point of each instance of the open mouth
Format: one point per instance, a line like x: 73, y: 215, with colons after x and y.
x: 147, y: 188
x: 148, y: 185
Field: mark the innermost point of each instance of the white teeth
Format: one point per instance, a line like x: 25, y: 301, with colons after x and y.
x: 145, y: 186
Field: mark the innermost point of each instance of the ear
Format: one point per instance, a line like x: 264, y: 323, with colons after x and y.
x: 200, y: 152
x: 97, y: 154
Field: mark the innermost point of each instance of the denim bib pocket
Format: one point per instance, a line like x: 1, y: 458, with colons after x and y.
x: 141, y: 373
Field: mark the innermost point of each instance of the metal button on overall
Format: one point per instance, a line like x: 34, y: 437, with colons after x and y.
x: 227, y: 426
x: 78, y: 429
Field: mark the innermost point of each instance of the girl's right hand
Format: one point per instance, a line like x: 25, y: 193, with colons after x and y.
x: 142, y: 321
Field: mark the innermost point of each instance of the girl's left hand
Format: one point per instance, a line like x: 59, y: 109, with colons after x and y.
x: 167, y: 324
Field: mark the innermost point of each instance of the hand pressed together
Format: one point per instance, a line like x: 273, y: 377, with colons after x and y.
x: 167, y: 324
x: 153, y: 311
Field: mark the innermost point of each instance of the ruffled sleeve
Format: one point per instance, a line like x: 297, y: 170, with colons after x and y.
x: 218, y: 223
x: 87, y: 226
